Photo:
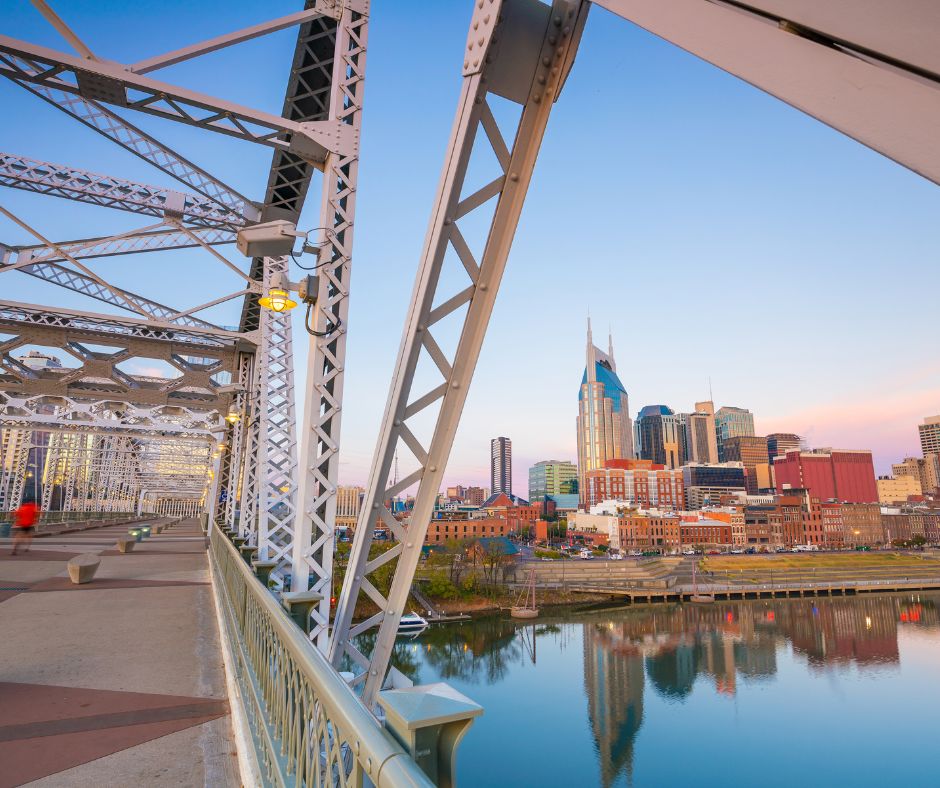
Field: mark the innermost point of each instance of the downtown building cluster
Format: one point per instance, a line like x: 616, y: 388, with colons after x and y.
x: 704, y: 477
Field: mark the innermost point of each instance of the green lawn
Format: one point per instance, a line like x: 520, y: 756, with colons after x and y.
x: 811, y: 561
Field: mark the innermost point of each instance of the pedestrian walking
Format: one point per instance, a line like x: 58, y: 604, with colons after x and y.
x: 24, y: 524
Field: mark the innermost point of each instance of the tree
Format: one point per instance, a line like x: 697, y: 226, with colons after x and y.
x: 494, y: 556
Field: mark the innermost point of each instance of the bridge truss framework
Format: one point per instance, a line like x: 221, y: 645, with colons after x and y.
x: 113, y: 438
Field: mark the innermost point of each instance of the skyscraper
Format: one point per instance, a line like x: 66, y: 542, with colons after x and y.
x: 660, y: 436
x: 501, y: 466
x: 552, y: 477
x: 779, y: 443
x: 930, y: 435
x: 701, y: 437
x: 731, y: 422
x: 605, y: 431
x: 751, y: 451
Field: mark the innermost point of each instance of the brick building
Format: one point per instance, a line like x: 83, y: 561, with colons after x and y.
x: 650, y: 530
x: 441, y: 531
x: 709, y: 533
x: 640, y: 483
x: 841, y: 475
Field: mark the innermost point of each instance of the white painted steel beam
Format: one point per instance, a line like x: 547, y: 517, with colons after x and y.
x: 60, y: 180
x: 536, y: 44
x: 112, y: 83
x: 314, y: 529
x: 867, y: 68
x: 133, y: 242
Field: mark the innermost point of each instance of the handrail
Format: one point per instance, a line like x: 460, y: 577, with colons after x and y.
x: 308, y: 727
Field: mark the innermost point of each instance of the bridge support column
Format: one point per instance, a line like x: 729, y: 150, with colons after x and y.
x: 536, y: 47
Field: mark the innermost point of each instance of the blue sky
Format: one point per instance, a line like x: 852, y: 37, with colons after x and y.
x: 718, y: 232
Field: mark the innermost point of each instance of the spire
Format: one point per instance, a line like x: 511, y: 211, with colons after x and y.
x: 610, y: 349
x: 589, y: 361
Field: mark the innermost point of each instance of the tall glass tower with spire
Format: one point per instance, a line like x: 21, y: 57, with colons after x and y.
x: 605, y: 431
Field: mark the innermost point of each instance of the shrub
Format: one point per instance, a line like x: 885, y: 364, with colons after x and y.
x: 440, y: 587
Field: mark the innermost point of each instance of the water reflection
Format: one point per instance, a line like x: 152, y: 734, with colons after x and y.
x: 667, y: 650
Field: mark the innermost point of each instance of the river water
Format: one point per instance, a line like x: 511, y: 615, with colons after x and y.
x: 821, y: 692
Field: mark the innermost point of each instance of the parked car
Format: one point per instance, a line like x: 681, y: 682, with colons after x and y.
x: 616, y: 556
x: 737, y: 552
x: 585, y: 554
x: 690, y: 551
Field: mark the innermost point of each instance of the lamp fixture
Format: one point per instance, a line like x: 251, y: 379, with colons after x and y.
x: 233, y: 417
x: 278, y: 298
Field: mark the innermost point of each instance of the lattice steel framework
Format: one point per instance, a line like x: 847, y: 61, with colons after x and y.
x: 528, y: 69
x: 320, y: 433
x: 255, y: 469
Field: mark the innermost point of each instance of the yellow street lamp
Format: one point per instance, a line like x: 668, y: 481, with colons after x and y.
x: 278, y: 298
x: 233, y: 417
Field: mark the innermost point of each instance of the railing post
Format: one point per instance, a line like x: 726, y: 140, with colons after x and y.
x: 429, y: 721
x: 299, y: 604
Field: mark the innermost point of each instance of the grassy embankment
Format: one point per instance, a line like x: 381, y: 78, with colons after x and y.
x: 822, y: 566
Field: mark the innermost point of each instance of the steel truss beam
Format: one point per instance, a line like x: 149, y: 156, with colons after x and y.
x: 275, y: 441
x: 134, y: 242
x: 60, y: 180
x: 72, y: 416
x: 537, y: 44
x: 114, y: 127
x: 229, y: 471
x: 197, y: 364
x: 114, y: 84
x: 115, y: 327
x: 868, y: 69
x: 320, y: 431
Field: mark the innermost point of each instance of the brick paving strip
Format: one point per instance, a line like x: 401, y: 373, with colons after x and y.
x: 48, y: 729
x: 45, y: 729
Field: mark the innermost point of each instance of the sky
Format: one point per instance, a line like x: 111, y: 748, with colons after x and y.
x: 724, y: 238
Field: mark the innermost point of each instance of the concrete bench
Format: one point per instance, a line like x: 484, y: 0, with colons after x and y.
x: 126, y: 545
x: 82, y: 567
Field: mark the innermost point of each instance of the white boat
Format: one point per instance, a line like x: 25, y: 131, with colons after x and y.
x: 525, y: 605
x: 411, y: 623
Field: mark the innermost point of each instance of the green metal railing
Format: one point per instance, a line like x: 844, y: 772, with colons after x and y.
x: 50, y: 519
x: 308, y: 727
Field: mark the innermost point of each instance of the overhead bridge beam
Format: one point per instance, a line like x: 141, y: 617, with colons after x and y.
x: 60, y: 180
x: 867, y: 68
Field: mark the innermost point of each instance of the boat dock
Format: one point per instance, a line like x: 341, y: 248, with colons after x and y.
x: 760, y: 591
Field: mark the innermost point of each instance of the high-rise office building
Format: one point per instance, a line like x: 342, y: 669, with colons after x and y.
x: 660, y: 436
x: 501, y: 466
x: 348, y: 503
x: 930, y: 435
x: 730, y: 422
x: 552, y: 477
x: 701, y: 437
x: 750, y: 451
x: 926, y: 470
x: 829, y: 474
x: 705, y: 484
x: 779, y: 443
x: 605, y: 431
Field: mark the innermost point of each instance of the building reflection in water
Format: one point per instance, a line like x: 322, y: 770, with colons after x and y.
x: 670, y: 648
x: 673, y: 646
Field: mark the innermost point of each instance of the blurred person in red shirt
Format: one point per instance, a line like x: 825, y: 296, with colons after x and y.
x: 24, y: 524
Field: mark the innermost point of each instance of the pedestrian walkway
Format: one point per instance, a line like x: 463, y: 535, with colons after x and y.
x: 118, y: 682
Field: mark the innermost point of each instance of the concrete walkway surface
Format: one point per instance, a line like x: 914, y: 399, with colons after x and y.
x: 118, y: 682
